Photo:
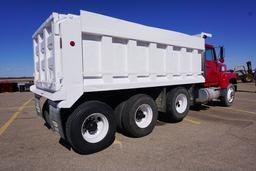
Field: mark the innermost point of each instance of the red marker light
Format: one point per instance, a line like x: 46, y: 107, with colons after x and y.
x: 72, y: 43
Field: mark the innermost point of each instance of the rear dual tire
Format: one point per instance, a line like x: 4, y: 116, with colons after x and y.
x: 91, y: 127
x: 45, y: 114
x: 137, y: 116
x: 119, y: 112
x: 177, y: 104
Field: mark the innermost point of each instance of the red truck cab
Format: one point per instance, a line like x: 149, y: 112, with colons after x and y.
x: 219, y: 83
x: 216, y: 74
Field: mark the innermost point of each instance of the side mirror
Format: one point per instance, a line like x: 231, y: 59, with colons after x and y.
x: 221, y: 54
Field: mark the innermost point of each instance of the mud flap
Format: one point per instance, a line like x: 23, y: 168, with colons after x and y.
x: 55, y: 118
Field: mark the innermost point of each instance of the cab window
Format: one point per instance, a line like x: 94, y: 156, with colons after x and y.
x: 209, y: 55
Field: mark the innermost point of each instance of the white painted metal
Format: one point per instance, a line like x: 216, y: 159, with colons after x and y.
x: 181, y: 103
x: 204, y: 35
x: 47, y: 73
x: 102, y: 127
x: 145, y: 121
x: 110, y: 54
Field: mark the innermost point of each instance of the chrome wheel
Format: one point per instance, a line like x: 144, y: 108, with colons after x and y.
x: 230, y: 94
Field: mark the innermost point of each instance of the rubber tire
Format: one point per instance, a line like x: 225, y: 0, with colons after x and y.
x: 224, y: 99
x: 119, y: 110
x: 45, y: 114
x: 129, y: 124
x: 171, y: 111
x: 249, y: 78
x: 75, y: 121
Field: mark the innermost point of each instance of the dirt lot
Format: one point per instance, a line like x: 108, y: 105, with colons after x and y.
x: 211, y: 138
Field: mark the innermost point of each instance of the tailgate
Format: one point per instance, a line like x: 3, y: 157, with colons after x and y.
x: 47, y: 54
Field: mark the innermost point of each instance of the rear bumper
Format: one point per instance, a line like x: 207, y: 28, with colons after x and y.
x: 55, y: 96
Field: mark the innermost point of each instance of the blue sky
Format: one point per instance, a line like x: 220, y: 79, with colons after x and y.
x: 232, y: 23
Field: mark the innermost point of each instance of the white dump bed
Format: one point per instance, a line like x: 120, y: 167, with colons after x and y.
x: 110, y: 54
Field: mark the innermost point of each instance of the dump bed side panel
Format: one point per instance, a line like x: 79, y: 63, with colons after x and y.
x: 118, y: 55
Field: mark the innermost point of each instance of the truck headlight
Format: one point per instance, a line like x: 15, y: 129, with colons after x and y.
x: 222, y: 68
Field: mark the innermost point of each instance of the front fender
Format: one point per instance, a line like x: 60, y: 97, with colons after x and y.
x: 226, y: 78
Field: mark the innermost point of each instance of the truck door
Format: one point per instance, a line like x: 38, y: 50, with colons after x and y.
x: 212, y: 76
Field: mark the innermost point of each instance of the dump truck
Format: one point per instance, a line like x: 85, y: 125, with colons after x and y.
x: 100, y: 74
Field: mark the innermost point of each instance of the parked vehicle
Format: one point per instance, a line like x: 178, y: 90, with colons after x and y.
x: 245, y: 75
x: 100, y: 73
